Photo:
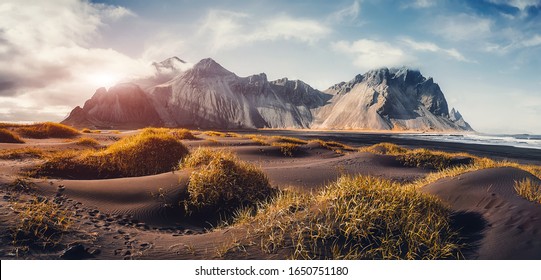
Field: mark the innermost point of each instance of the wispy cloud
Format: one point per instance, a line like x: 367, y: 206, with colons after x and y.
x: 519, y: 4
x: 369, y: 54
x: 462, y: 27
x: 432, y: 47
x: 227, y: 29
x: 533, y: 41
x: 347, y: 14
x: 421, y: 3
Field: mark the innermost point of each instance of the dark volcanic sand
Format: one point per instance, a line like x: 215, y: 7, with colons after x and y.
x: 499, y: 152
x: 140, y: 217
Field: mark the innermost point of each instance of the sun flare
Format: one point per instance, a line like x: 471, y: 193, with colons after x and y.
x: 103, y: 79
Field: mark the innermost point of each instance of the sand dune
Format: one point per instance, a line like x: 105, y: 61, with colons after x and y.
x: 144, y: 217
x: 506, y: 225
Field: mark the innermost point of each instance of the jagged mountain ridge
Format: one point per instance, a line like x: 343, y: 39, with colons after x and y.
x: 209, y: 96
x: 385, y: 99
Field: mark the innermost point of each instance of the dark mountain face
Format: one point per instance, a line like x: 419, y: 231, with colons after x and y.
x: 209, y: 96
x: 122, y: 106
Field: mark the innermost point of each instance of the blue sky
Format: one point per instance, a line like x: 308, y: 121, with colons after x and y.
x: 486, y: 55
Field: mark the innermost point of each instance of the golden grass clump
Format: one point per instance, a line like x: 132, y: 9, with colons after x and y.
x: 215, y: 133
x: 421, y: 157
x: 147, y: 153
x: 8, y: 136
x: 22, y: 153
x: 385, y: 149
x: 183, y: 134
x: 290, y: 140
x: 288, y: 149
x: 357, y: 218
x: 41, y: 223
x: 426, y: 158
x: 48, y: 130
x: 203, y: 156
x: 232, y: 134
x: 334, y: 146
x: 87, y: 141
x: 88, y: 130
x: 223, y: 183
x: 529, y: 189
x: 259, y: 139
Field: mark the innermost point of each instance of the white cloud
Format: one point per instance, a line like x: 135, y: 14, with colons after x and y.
x: 370, y: 54
x: 462, y: 27
x: 519, y: 4
x: 431, y: 47
x: 422, y: 3
x: 349, y: 13
x: 532, y: 42
x: 112, y: 12
x: 226, y: 29
x: 45, y: 54
x: 162, y: 46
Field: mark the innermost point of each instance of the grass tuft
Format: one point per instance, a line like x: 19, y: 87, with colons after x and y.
x: 334, y: 146
x: 421, y: 157
x: 8, y: 136
x: 289, y: 140
x: 357, y: 218
x: 385, y: 149
x: 183, y: 134
x: 41, y: 223
x: 529, y: 190
x: 223, y: 183
x: 150, y: 152
x: 48, y: 130
x: 87, y: 141
x: 215, y: 133
x: 203, y: 156
x: 288, y: 149
x: 22, y: 153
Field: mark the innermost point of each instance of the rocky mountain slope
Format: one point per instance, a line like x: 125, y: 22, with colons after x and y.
x: 384, y: 99
x: 209, y: 96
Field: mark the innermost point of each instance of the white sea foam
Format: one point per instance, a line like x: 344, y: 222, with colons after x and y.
x: 518, y: 140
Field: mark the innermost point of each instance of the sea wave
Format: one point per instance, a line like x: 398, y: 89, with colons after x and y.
x: 513, y: 140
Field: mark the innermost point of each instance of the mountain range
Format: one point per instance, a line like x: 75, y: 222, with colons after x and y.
x: 206, y: 95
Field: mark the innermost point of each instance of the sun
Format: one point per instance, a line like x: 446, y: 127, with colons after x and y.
x: 103, y: 79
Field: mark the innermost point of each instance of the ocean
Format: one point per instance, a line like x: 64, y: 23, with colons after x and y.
x: 513, y: 140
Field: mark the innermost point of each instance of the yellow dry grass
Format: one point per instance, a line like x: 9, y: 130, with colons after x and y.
x: 150, y: 152
x: 183, y: 134
x: 356, y: 218
x: 47, y: 130
x: 334, y: 146
x: 41, y: 223
x: 287, y: 149
x: 8, y: 136
x: 23, y: 153
x: 418, y: 157
x: 222, y: 183
x: 88, y: 142
x: 529, y: 189
x: 215, y: 133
